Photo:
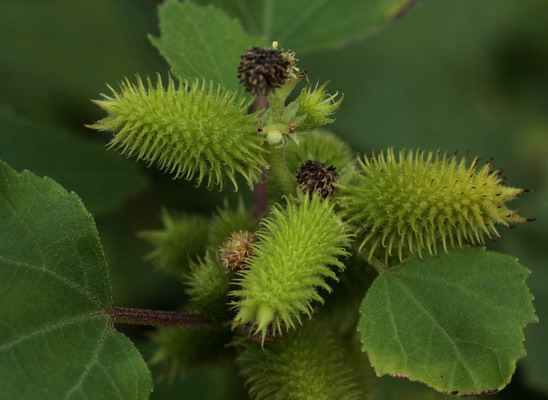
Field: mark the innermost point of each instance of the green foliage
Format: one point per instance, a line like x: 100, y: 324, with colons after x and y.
x: 55, y: 54
x: 320, y: 145
x: 314, y: 25
x: 407, y: 203
x: 207, y: 287
x: 202, y: 42
x: 305, y: 364
x: 296, y: 246
x: 454, y: 321
x: 181, y: 238
x: 190, y: 130
x: 182, y: 350
x: 72, y: 160
x: 56, y: 340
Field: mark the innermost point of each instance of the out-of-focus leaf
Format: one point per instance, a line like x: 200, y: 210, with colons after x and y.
x: 454, y: 322
x: 529, y: 244
x: 202, y: 42
x: 103, y: 180
x: 56, y: 53
x: 219, y: 383
x: 56, y: 341
x: 305, y: 25
x: 429, y: 82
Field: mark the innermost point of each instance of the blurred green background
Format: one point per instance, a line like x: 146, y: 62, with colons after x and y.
x: 451, y: 75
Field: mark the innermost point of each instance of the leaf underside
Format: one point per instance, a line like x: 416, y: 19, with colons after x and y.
x: 55, y: 340
x: 454, y: 322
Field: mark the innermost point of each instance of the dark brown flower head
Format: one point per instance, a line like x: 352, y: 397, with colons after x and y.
x: 263, y: 70
x: 313, y: 176
x: 236, y: 250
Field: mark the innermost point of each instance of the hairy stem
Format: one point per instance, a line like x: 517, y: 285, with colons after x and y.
x: 374, y: 262
x: 260, y: 197
x: 281, y: 174
x: 138, y: 316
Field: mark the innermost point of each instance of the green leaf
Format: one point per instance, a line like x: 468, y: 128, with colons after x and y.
x: 304, y: 25
x: 202, y: 42
x: 454, y: 321
x: 56, y: 342
x: 103, y: 180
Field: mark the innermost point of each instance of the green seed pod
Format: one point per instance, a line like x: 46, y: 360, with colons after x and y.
x: 409, y: 203
x: 182, y: 237
x: 228, y: 220
x: 305, y: 364
x: 296, y: 245
x: 319, y: 145
x: 207, y: 287
x: 181, y: 350
x: 315, y: 107
x: 197, y: 129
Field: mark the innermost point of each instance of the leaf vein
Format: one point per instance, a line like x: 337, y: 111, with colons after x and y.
x: 441, y: 328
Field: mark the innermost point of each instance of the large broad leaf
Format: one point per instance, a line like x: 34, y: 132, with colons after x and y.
x: 103, y: 180
x: 454, y: 321
x: 202, y: 42
x: 305, y: 25
x: 56, y: 342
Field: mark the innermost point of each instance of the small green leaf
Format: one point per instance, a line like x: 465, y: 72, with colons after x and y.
x: 56, y: 342
x: 202, y: 42
x: 304, y: 25
x: 454, y: 322
x: 103, y: 180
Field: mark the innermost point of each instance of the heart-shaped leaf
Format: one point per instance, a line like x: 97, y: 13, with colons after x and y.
x: 454, y: 321
x: 56, y: 341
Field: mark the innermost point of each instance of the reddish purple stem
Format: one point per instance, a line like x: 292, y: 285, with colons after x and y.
x: 153, y: 317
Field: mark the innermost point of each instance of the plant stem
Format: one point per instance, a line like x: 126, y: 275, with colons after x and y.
x: 278, y: 168
x: 154, y: 317
x: 260, y: 197
x: 374, y: 262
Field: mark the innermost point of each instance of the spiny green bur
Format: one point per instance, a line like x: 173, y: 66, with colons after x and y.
x: 182, y: 237
x: 207, y: 287
x: 191, y: 130
x: 297, y: 245
x: 318, y: 145
x: 408, y: 203
x: 305, y: 364
x: 182, y: 350
x: 315, y: 107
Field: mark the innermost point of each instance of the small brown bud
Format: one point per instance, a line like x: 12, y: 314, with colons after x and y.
x: 263, y: 70
x: 313, y: 176
x: 236, y: 250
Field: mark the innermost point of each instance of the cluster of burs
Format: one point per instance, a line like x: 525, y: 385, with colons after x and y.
x: 280, y: 281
